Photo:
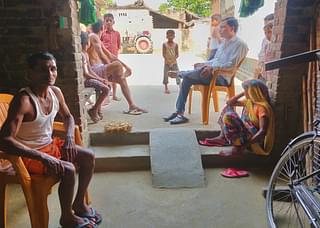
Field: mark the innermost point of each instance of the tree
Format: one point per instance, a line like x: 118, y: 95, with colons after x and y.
x: 199, y: 7
x: 164, y: 7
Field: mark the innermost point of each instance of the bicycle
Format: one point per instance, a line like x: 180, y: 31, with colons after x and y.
x: 293, y: 195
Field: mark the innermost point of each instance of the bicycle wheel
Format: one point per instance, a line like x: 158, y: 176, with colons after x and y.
x: 300, y: 159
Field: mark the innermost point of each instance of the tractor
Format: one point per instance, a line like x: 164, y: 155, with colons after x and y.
x: 140, y: 43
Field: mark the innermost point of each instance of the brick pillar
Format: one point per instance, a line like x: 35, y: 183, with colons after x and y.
x: 291, y: 24
x: 32, y: 26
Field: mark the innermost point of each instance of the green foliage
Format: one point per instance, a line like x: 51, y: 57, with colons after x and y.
x: 199, y: 7
x: 104, y: 8
x: 109, y: 2
x: 164, y: 7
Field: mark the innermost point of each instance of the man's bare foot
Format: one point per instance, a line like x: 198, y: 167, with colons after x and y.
x: 167, y: 91
x: 172, y: 74
x: 115, y: 98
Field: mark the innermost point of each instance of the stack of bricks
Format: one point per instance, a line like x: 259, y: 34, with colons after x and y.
x: 30, y: 26
x: 290, y: 36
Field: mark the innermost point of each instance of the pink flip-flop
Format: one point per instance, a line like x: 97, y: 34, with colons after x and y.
x: 234, y: 173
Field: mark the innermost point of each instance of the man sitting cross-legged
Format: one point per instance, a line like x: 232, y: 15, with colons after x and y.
x: 27, y: 132
x: 107, y: 66
x: 230, y: 52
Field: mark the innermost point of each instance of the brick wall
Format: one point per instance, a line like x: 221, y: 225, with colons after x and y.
x: 29, y: 26
x: 290, y: 36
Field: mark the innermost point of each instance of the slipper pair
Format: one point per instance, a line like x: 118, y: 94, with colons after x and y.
x: 208, y: 142
x: 234, y: 173
x: 92, y: 215
x: 87, y: 223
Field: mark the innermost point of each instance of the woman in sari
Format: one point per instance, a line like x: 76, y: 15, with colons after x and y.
x: 255, y: 127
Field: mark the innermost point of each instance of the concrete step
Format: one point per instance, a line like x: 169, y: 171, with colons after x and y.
x: 130, y: 151
x: 137, y: 157
x: 134, y: 138
x: 122, y: 157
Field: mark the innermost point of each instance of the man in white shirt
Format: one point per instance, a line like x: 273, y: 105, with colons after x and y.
x: 230, y: 52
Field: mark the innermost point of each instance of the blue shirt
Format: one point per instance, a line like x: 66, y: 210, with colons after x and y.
x: 229, y: 53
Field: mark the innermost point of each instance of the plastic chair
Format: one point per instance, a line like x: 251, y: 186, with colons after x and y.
x: 208, y: 91
x: 36, y: 188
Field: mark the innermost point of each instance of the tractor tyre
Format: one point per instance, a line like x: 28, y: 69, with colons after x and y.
x: 143, y: 45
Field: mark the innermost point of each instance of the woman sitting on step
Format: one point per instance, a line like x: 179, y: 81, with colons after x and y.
x: 255, y: 127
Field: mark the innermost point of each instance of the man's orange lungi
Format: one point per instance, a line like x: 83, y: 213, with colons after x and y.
x: 54, y: 149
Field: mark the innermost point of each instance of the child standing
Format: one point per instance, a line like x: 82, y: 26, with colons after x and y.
x: 111, y: 41
x: 214, y: 39
x: 170, y: 53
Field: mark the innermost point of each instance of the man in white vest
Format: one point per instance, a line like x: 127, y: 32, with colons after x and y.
x: 27, y: 132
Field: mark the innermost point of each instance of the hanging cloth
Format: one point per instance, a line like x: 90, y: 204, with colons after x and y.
x: 248, y: 7
x: 88, y: 13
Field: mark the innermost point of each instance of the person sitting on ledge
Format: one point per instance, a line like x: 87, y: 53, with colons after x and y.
x: 229, y: 54
x: 27, y: 132
x: 254, y: 129
x: 93, y: 80
x: 107, y: 66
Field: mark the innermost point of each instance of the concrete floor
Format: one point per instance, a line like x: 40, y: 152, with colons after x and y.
x: 127, y: 200
x: 159, y: 105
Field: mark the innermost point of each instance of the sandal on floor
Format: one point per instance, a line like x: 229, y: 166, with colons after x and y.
x: 140, y: 109
x: 87, y: 223
x: 93, y: 115
x: 133, y: 112
x: 93, y: 216
x: 234, y: 173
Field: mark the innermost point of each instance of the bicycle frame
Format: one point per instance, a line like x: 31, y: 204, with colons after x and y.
x: 310, y: 204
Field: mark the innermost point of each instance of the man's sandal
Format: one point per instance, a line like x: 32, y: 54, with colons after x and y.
x: 87, y: 223
x: 133, y: 112
x: 93, y: 216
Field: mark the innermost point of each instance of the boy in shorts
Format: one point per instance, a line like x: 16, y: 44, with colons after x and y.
x: 170, y: 53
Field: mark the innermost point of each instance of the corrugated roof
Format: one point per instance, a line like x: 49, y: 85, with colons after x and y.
x: 145, y: 7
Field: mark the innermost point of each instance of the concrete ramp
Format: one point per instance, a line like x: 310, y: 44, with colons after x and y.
x: 175, y: 158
